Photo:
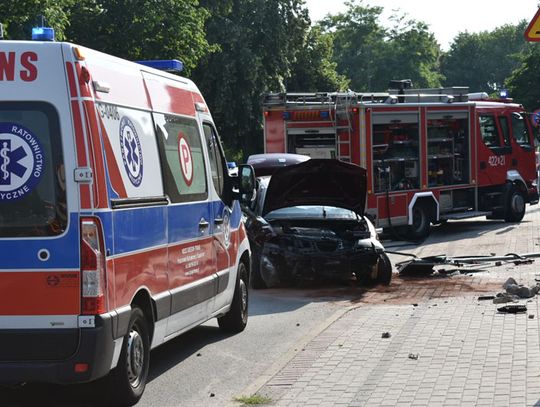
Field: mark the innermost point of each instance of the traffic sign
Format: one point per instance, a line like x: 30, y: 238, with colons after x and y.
x: 532, y: 33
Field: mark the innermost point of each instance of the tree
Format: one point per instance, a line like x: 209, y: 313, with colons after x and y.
x: 142, y: 29
x: 259, y: 41
x: 483, y: 60
x: 19, y: 17
x: 523, y: 82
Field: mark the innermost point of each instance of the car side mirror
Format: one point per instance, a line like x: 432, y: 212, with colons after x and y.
x: 246, y: 184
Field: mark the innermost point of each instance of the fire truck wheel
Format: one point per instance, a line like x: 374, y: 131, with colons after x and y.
x: 236, y: 319
x: 384, y: 270
x: 515, y: 206
x: 128, y: 380
x: 420, y: 223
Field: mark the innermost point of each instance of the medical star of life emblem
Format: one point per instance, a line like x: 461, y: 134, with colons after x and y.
x: 130, y: 147
x: 21, y: 161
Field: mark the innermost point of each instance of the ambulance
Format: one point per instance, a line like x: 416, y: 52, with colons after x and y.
x: 120, y: 226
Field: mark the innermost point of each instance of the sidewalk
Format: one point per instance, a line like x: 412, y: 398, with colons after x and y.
x: 446, y: 347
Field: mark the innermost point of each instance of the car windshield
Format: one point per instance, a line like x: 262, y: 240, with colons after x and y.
x: 312, y: 212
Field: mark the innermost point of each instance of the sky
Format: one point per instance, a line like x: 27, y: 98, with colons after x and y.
x: 445, y: 18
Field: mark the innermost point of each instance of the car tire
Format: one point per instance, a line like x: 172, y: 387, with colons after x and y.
x: 256, y: 279
x: 384, y: 270
x: 128, y: 379
x: 514, y: 209
x: 235, y: 320
x: 421, y: 226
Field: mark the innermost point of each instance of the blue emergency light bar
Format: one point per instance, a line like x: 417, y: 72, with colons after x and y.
x: 43, y: 34
x: 169, y: 65
x: 503, y: 93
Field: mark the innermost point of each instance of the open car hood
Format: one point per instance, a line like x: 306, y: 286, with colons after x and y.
x: 322, y: 182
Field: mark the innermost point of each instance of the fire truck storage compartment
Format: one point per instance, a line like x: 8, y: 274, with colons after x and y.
x: 448, y: 148
x: 395, y: 146
x: 314, y: 142
x: 456, y: 200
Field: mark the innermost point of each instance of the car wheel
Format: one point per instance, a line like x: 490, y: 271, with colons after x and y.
x: 514, y: 206
x: 384, y: 269
x: 235, y: 320
x: 128, y: 379
x: 256, y: 279
x: 420, y: 222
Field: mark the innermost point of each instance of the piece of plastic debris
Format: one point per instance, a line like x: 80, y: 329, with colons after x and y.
x: 512, y: 309
x: 486, y: 297
x: 297, y: 324
x: 415, y: 305
x: 198, y: 354
x: 501, y: 298
x: 385, y: 335
x: 413, y: 356
x: 212, y: 395
x: 531, y: 316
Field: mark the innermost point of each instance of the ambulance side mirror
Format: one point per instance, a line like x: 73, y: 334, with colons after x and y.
x: 246, y: 184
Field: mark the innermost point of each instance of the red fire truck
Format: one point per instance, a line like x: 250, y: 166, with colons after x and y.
x: 431, y: 154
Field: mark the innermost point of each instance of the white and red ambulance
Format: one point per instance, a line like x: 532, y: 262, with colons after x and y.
x: 120, y: 226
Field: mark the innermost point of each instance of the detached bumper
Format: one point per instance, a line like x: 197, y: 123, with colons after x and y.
x: 95, y: 347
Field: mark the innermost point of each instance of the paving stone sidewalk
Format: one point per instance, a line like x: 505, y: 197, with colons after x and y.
x: 448, y: 350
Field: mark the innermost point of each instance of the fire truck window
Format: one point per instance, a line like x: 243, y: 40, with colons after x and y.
x: 503, y: 122
x: 395, y: 152
x: 448, y: 149
x: 520, y: 130
x: 489, y: 132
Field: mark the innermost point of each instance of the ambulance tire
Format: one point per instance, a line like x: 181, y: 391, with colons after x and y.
x: 514, y: 209
x: 128, y: 379
x: 421, y: 224
x: 235, y: 320
x: 384, y: 270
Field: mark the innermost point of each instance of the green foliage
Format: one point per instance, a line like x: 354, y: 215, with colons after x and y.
x: 20, y: 16
x: 484, y: 60
x: 253, y: 400
x: 142, y: 29
x: 371, y: 55
x: 523, y: 82
x: 259, y: 41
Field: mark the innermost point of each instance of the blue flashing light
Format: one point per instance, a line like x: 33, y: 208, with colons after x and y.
x: 43, y: 34
x: 503, y: 93
x: 231, y: 165
x: 286, y: 115
x: 169, y: 65
x: 325, y: 114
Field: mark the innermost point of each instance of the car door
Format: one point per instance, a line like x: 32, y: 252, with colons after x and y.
x: 191, y: 258
x: 221, y: 213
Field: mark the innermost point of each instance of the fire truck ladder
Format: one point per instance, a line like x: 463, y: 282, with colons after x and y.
x: 343, y: 125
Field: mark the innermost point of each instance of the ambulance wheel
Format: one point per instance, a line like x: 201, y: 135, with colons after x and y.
x: 420, y: 227
x: 128, y: 380
x: 236, y: 319
x: 514, y: 206
x: 384, y: 270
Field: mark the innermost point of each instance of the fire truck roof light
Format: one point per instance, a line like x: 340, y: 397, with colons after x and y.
x: 168, y: 65
x: 503, y: 93
x: 42, y: 34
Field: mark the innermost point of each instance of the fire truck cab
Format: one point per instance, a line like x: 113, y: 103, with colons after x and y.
x: 431, y: 154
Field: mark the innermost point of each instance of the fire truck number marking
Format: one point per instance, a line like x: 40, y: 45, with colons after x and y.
x: 496, y: 160
x: 25, y: 69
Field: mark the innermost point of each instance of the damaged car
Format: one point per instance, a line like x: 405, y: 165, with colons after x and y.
x: 307, y: 222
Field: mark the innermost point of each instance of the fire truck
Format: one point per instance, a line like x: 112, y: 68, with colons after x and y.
x: 431, y: 154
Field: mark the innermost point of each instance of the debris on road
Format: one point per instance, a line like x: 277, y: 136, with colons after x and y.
x: 512, y: 287
x: 486, y: 297
x: 413, y: 356
x: 531, y: 316
x: 386, y: 335
x: 512, y: 309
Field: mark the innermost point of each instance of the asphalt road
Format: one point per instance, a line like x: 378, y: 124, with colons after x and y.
x: 205, y: 367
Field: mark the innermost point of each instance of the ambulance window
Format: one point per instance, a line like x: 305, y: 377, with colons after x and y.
x: 503, y: 122
x: 216, y: 158
x: 489, y: 132
x: 32, y: 173
x: 520, y: 130
x: 182, y: 156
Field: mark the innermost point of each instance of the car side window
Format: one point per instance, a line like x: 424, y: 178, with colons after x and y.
x: 217, y: 160
x: 503, y: 122
x: 181, y: 153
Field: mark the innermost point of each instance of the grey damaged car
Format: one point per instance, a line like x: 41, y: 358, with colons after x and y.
x: 307, y: 222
